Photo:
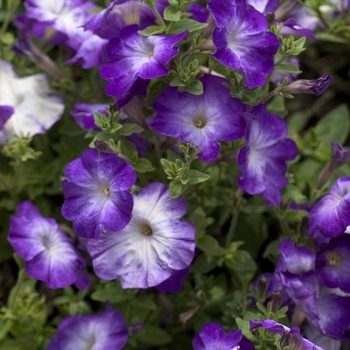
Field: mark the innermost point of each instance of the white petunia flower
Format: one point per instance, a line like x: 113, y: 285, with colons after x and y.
x: 36, y: 109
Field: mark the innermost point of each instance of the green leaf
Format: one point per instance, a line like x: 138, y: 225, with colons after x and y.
x: 243, y: 266
x: 187, y: 24
x: 295, y: 215
x: 329, y: 37
x: 210, y: 246
x: 334, y: 126
x: 271, y: 250
x: 197, y: 177
x: 114, y: 294
x: 143, y: 165
x: 277, y: 106
x: 171, y: 13
x: 144, y: 302
x: 292, y: 192
x: 289, y: 68
x: 176, y: 188
x: 194, y: 88
x: 129, y: 129
x: 5, y: 326
x: 151, y: 30
x: 153, y: 335
x: 203, y: 264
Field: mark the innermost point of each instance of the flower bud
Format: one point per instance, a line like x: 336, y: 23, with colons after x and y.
x: 302, y: 86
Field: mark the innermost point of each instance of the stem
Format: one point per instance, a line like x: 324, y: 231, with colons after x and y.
x: 6, y: 22
x: 157, y: 14
x: 283, y: 224
x: 235, y: 216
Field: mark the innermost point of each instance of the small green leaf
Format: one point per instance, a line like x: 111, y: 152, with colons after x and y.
x: 295, y: 215
x: 292, y: 192
x: 144, y: 302
x: 203, y: 264
x: 114, y: 294
x: 289, y: 68
x: 129, y: 129
x: 176, y: 188
x: 197, y: 177
x: 151, y: 30
x: 153, y: 335
x: 187, y: 24
x: 171, y: 13
x: 194, y: 88
x: 210, y: 246
x: 143, y: 165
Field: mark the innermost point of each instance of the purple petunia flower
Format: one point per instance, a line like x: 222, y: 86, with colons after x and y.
x: 49, y: 254
x: 333, y: 263
x: 83, y: 114
x: 66, y: 17
x: 242, y: 41
x: 133, y: 55
x: 264, y: 6
x: 262, y: 160
x: 96, y: 193
x: 315, y: 87
x: 174, y: 282
x: 204, y: 119
x: 331, y: 215
x: 106, y: 330
x: 212, y: 336
x: 154, y: 244
x: 27, y: 106
x: 119, y: 14
x: 290, y: 336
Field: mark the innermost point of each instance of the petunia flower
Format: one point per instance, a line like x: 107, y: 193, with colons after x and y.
x: 26, y: 104
x: 212, y: 336
x: 333, y: 263
x: 133, y: 55
x: 205, y: 119
x: 49, y: 254
x: 314, y: 87
x: 105, y: 330
x: 242, y: 40
x: 262, y: 160
x: 154, y: 244
x: 66, y: 17
x: 96, y: 193
x: 83, y: 114
x: 331, y: 215
x: 289, y: 336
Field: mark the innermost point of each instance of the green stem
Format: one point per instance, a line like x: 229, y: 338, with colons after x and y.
x: 234, y: 220
x: 283, y: 224
x: 6, y: 22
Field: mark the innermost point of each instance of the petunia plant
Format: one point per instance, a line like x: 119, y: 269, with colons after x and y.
x: 174, y: 174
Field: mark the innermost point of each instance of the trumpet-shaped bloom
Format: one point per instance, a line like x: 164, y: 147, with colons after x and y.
x: 242, y: 41
x: 133, y: 55
x: 290, y: 336
x: 333, y: 263
x: 66, y: 17
x: 49, y: 254
x: 331, y: 215
x: 263, y: 159
x: 212, y: 336
x: 96, y: 193
x: 27, y: 106
x: 154, y: 244
x: 106, y: 330
x: 204, y: 119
